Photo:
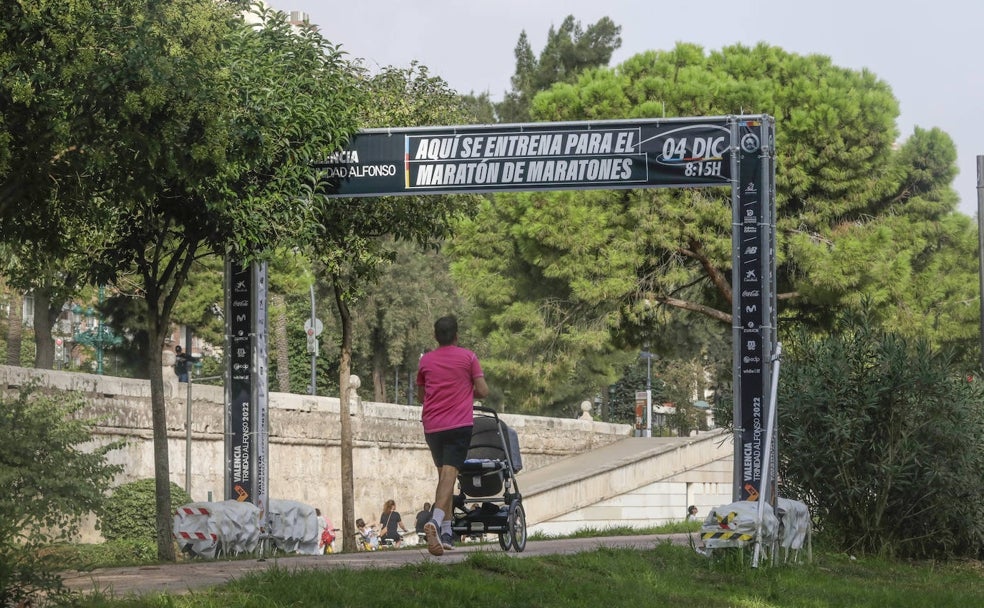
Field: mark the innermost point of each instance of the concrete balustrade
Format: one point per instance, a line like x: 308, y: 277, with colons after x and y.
x: 390, y: 458
x: 577, y: 472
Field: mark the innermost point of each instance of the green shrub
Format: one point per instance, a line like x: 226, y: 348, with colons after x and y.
x: 52, y: 474
x: 130, y: 512
x: 110, y: 554
x: 884, y: 440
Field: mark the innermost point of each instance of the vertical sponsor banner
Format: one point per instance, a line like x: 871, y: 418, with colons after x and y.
x: 239, y: 391
x: 261, y: 421
x: 754, y: 311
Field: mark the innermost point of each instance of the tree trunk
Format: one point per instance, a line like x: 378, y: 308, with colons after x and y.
x: 162, y: 472
x: 279, y: 305
x: 345, y: 425
x: 45, y: 316
x: 379, y: 375
x: 15, y: 328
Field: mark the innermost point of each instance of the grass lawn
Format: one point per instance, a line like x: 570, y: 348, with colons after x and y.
x: 665, y: 575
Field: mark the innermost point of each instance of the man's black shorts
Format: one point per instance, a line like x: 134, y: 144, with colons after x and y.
x: 449, y: 447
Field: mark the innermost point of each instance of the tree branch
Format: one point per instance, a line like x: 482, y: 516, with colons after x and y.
x: 694, y: 307
x: 719, y: 280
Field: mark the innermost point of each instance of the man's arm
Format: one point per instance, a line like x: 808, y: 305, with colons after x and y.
x: 481, y: 389
x: 420, y: 394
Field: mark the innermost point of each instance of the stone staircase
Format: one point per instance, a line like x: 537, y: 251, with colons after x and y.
x: 636, y: 482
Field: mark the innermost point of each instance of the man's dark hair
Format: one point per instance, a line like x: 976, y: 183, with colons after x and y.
x: 445, y: 330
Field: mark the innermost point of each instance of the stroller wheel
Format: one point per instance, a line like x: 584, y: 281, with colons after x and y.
x: 517, y: 527
x: 505, y: 540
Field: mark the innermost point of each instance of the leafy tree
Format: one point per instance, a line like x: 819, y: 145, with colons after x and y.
x: 353, y: 241
x: 394, y: 322
x: 680, y: 381
x: 198, y: 130
x: 561, y: 277
x: 291, y: 279
x: 291, y: 94
x: 621, y: 394
x: 53, y: 475
x: 884, y: 442
x: 48, y: 53
x: 544, y: 317
x: 45, y: 54
x: 480, y: 108
x: 50, y: 282
x: 569, y: 50
x: 910, y: 265
x: 15, y: 348
x: 288, y: 274
x: 202, y: 300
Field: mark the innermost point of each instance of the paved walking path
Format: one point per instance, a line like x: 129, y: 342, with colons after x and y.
x: 197, y: 575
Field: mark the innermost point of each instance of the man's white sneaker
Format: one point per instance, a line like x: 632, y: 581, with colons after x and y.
x: 434, y: 546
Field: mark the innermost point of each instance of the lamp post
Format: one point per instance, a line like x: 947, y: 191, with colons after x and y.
x: 93, y: 332
x: 611, y: 402
x: 648, y: 356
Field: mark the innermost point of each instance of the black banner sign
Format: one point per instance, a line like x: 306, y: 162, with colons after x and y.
x: 754, y: 311
x: 240, y: 456
x: 535, y: 156
x: 750, y: 349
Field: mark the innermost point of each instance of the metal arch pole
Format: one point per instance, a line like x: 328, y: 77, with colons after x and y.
x: 737, y: 421
x: 767, y: 455
x: 770, y: 461
x: 980, y: 244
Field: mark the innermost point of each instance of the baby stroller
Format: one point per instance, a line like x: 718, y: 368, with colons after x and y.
x: 489, y: 474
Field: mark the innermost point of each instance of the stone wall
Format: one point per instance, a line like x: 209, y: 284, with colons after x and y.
x: 390, y: 458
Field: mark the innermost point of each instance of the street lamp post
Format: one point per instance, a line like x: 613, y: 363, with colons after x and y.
x: 611, y: 402
x: 648, y: 356
x: 94, y: 333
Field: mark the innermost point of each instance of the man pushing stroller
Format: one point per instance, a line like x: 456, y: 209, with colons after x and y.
x: 449, y: 380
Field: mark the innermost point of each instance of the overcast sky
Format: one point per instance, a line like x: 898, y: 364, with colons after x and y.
x: 929, y: 52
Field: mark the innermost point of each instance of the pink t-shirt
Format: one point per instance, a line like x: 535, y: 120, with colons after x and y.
x: 447, y: 375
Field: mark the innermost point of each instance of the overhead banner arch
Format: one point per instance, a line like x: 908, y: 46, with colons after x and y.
x: 535, y: 156
x: 732, y: 151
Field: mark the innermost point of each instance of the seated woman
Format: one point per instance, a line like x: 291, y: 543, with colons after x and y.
x: 392, y: 524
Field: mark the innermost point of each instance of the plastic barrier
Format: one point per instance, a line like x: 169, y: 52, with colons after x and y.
x: 795, y: 527
x: 294, y: 527
x: 208, y: 529
x: 735, y: 525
